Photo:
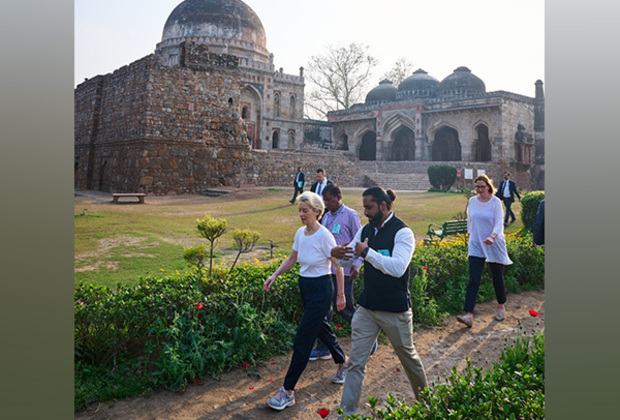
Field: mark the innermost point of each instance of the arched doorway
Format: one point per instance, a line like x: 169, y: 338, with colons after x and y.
x: 483, y: 144
x: 446, y: 146
x: 368, y: 148
x: 344, y: 142
x: 403, y: 147
x: 250, y: 104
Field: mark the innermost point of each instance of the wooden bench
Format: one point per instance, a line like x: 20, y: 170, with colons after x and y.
x: 139, y: 196
x: 451, y: 227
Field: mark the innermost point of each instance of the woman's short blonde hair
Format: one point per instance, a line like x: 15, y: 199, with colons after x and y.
x: 487, y: 180
x: 314, y: 200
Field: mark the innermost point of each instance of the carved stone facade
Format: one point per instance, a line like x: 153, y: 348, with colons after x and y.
x: 209, y: 109
x: 455, y: 120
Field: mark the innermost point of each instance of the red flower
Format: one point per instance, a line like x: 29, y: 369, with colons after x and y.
x: 270, y: 380
x: 533, y: 312
x: 197, y: 382
x: 199, y: 306
x: 396, y: 371
x: 251, y: 387
x: 424, y: 268
x: 518, y: 236
x: 323, y: 412
x: 339, y: 326
x: 245, y: 365
x: 182, y: 391
x: 273, y: 363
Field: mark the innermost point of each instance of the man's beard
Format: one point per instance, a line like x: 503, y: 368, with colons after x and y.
x: 375, y: 221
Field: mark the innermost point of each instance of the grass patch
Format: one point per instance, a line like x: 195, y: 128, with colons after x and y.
x: 120, y: 243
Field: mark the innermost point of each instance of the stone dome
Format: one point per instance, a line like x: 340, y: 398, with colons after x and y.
x: 385, y: 92
x: 226, y: 26
x: 418, y: 85
x: 462, y: 82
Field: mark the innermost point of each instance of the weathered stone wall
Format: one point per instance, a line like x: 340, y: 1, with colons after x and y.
x: 156, y: 129
x: 277, y: 168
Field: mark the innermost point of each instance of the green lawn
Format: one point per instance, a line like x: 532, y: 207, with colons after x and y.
x: 119, y: 243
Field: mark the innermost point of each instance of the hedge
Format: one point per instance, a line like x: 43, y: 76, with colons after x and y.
x: 168, y: 332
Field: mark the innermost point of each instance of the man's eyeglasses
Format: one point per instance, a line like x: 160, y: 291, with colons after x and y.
x: 481, y: 186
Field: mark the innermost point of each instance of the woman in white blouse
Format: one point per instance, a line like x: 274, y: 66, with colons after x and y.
x: 486, y: 243
x: 312, y: 248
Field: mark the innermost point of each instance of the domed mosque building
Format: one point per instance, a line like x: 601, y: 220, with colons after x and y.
x: 208, y: 108
x: 454, y: 121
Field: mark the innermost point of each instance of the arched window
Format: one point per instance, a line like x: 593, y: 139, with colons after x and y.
x: 275, y: 139
x: 291, y: 139
x: 344, y: 142
x: 293, y: 107
x: 483, y: 144
x: 245, y: 113
x: 276, y: 104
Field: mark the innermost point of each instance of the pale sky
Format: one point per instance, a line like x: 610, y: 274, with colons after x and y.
x: 500, y: 41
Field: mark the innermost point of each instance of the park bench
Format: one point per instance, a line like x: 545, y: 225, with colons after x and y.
x: 139, y: 196
x: 451, y: 227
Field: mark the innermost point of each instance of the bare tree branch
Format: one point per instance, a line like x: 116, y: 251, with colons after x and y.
x: 338, y: 78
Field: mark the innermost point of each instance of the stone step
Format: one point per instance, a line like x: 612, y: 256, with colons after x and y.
x: 407, y: 182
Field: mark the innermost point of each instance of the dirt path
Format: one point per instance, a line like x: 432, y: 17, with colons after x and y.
x: 238, y: 395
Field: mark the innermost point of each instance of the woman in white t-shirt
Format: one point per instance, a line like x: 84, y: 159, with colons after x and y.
x: 486, y: 243
x: 312, y: 248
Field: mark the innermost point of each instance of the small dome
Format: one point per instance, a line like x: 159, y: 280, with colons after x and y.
x: 461, y: 83
x: 419, y: 85
x: 226, y: 26
x: 385, y: 92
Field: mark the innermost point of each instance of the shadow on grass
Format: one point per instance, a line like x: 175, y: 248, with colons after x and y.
x: 258, y: 211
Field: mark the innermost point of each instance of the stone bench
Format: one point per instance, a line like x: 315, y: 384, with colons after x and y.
x: 139, y: 196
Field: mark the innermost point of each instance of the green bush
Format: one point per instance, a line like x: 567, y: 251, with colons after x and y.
x: 441, y: 177
x: 513, y: 389
x: 529, y: 207
x: 166, y: 332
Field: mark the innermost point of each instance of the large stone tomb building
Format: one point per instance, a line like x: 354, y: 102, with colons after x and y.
x: 209, y: 108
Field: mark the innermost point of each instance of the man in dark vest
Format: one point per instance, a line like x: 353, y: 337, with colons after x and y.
x: 386, y: 243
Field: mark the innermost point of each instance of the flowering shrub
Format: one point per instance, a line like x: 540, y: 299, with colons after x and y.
x: 513, y: 389
x: 166, y: 332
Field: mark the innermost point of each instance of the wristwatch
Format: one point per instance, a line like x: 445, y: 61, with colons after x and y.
x: 365, y: 252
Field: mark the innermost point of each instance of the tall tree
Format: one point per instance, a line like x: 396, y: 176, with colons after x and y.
x: 338, y: 78
x: 403, y: 68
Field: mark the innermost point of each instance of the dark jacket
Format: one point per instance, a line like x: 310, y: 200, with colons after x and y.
x: 302, y: 178
x: 383, y: 292
x: 513, y: 191
x: 313, y: 187
x: 539, y: 224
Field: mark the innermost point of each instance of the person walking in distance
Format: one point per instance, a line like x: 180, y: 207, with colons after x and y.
x: 298, y: 184
x: 506, y: 192
x: 386, y: 244
x: 321, y: 182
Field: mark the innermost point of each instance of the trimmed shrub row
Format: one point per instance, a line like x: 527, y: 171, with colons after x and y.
x: 167, y: 332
